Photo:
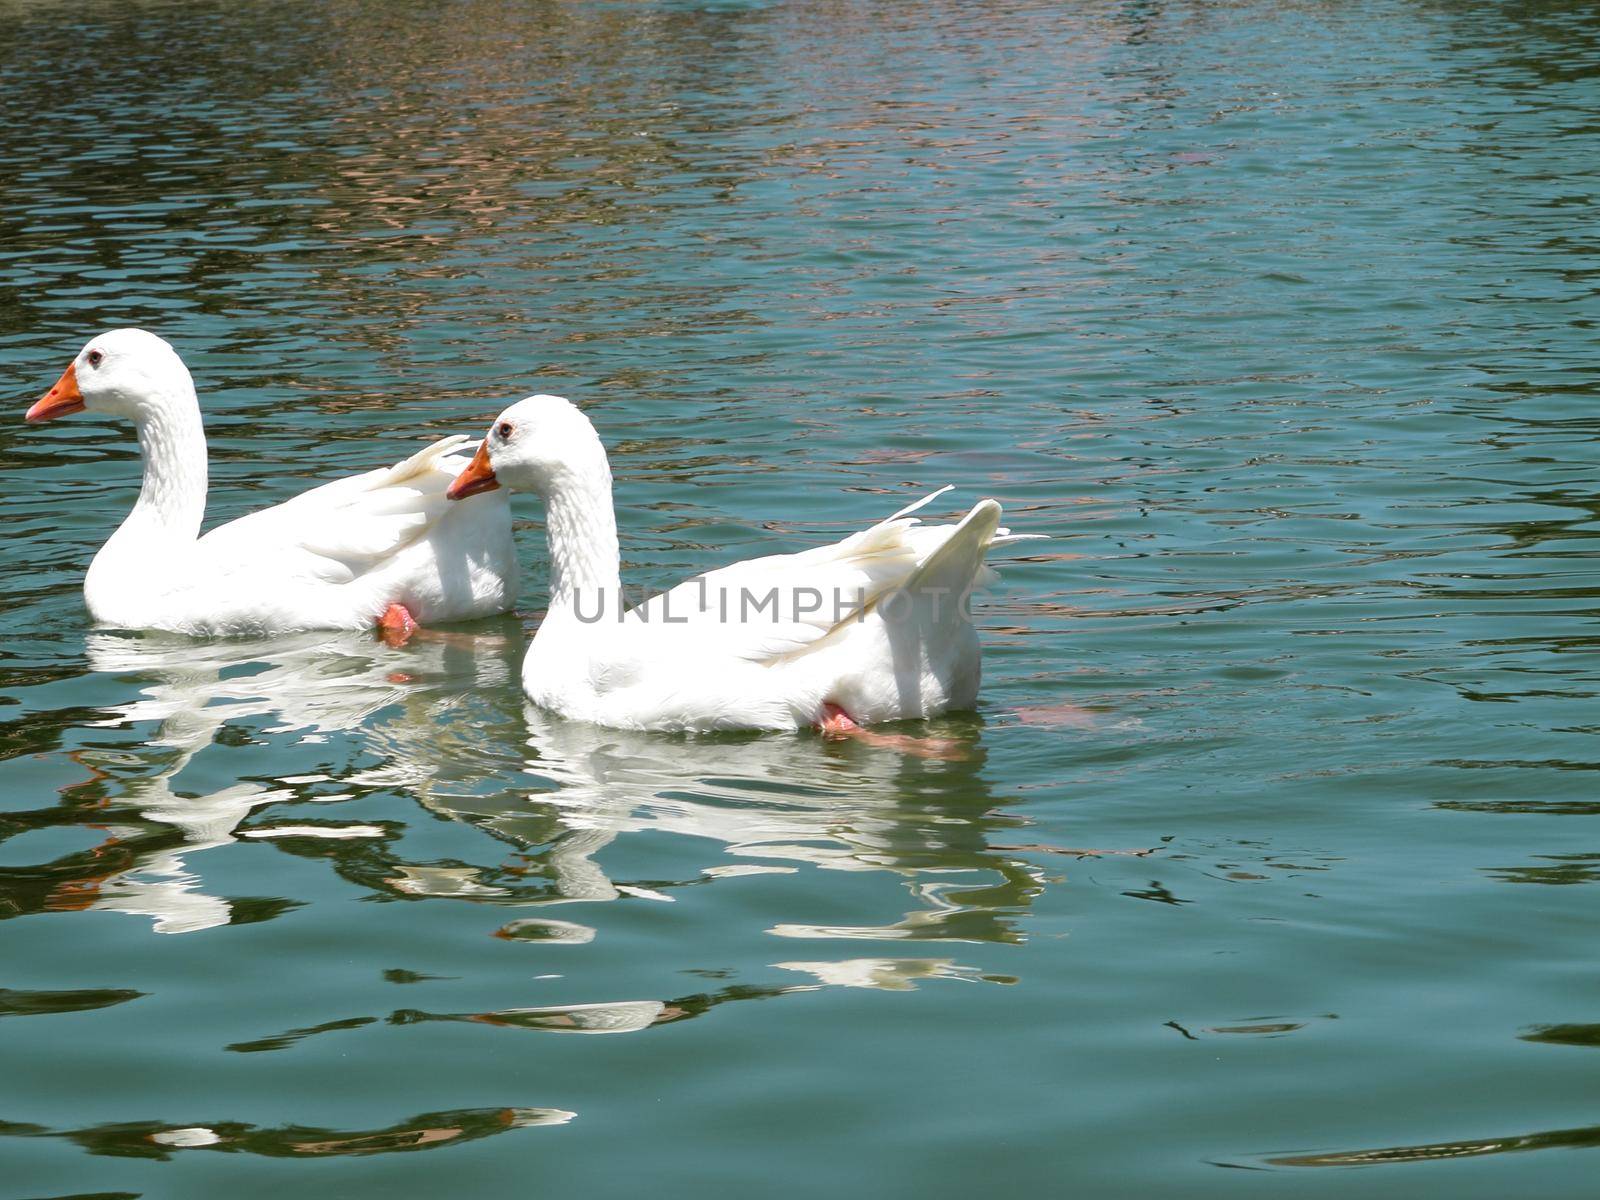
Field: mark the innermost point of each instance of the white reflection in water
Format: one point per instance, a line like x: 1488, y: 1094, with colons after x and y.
x: 799, y: 800
x: 310, y: 684
x: 887, y: 974
x: 448, y: 727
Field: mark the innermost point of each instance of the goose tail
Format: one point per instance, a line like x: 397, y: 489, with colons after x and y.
x: 940, y: 588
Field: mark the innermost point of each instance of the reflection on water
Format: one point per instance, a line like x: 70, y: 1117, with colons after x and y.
x: 193, y: 693
x: 771, y: 801
x: 435, y: 718
x: 427, y: 1131
x: 1565, y: 1035
x: 1557, y: 1139
x: 889, y: 974
x: 631, y: 1016
x: 14, y: 1003
x: 1563, y: 869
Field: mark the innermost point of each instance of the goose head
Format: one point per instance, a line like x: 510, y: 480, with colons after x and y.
x: 125, y: 373
x: 536, y: 445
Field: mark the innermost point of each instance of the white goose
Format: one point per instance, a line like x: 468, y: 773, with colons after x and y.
x: 874, y: 628
x: 379, y: 548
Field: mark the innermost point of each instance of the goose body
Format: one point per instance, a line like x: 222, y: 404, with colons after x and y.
x: 876, y: 627
x: 335, y: 557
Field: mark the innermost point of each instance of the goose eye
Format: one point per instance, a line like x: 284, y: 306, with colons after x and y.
x: 94, y: 358
x: 503, y: 430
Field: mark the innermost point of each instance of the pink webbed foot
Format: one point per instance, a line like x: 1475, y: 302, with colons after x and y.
x: 397, y: 625
x: 836, y: 723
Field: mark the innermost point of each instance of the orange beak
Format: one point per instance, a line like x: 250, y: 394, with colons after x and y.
x: 60, y: 400
x: 478, y: 477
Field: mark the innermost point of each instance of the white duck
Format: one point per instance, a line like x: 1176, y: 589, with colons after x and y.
x: 383, y: 547
x: 874, y: 628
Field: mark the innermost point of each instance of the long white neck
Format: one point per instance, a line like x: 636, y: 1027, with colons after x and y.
x: 581, y: 528
x: 172, y: 442
x: 140, y: 560
x: 143, y: 559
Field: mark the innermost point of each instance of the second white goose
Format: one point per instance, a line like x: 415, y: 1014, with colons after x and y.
x: 874, y: 628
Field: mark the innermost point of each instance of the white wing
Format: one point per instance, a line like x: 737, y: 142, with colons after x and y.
x: 343, y: 529
x: 763, y: 608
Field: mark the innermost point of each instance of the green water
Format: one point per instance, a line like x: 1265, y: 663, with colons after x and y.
x: 1272, y: 866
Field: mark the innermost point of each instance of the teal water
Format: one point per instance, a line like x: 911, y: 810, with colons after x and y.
x: 1272, y: 865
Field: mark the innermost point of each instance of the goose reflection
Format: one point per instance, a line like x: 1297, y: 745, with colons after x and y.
x: 734, y: 805
x: 444, y: 724
x: 312, y: 685
x: 753, y: 804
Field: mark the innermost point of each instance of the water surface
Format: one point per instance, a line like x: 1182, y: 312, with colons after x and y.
x: 1272, y: 852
